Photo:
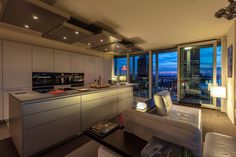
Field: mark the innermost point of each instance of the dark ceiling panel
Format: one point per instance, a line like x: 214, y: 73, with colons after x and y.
x: 34, y: 15
x: 68, y: 33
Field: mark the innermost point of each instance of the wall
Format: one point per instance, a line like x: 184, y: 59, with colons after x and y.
x: 231, y: 40
x: 22, y: 53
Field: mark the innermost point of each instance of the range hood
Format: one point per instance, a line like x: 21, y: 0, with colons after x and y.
x: 51, y: 23
x: 68, y: 33
x: 32, y: 14
x: 102, y: 38
x: 118, y: 48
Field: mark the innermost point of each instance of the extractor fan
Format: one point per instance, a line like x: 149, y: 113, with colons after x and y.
x: 228, y: 12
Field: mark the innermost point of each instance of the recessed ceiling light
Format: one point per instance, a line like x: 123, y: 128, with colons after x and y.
x: 105, y: 49
x: 129, y: 50
x: 188, y: 48
x: 101, y: 40
x: 35, y: 17
x: 89, y: 44
x: 26, y: 26
x: 64, y: 38
x: 118, y: 46
x: 76, y: 32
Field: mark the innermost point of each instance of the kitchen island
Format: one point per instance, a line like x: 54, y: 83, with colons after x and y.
x: 39, y: 121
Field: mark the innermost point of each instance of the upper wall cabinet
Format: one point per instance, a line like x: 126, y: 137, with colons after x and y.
x: 99, y: 67
x: 77, y: 63
x: 90, y: 69
x: 62, y: 61
x: 107, y: 68
x: 17, y: 65
x: 43, y: 59
x: 0, y: 64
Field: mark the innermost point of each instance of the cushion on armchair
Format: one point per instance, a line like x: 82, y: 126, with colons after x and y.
x: 163, y: 103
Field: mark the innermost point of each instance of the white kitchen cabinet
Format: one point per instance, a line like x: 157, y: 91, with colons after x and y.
x: 43, y: 59
x: 99, y: 67
x: 62, y: 61
x: 77, y: 63
x: 0, y: 64
x: 107, y: 68
x: 90, y: 69
x: 1, y: 105
x: 17, y: 65
x: 5, y: 97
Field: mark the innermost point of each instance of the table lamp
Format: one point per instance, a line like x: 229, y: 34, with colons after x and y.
x: 218, y: 92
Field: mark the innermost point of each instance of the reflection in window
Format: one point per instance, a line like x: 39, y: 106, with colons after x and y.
x: 120, y: 67
x: 165, y: 73
x: 139, y: 65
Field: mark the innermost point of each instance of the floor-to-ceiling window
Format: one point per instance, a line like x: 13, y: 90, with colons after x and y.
x: 165, y: 72
x: 187, y: 74
x: 120, y: 67
x: 139, y: 65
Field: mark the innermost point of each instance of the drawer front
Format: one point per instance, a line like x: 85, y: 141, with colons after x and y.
x: 95, y: 115
x: 98, y: 102
x: 125, y: 90
x: 39, y: 138
x: 49, y: 105
x: 43, y: 118
x: 99, y: 95
x: 125, y: 95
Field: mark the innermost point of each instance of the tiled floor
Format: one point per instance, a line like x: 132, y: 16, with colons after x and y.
x: 212, y: 121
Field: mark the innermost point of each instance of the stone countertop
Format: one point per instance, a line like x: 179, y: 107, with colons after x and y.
x: 33, y: 96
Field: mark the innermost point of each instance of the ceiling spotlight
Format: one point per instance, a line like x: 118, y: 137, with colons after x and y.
x: 129, y: 50
x: 101, y: 40
x: 187, y: 48
x: 89, y: 44
x: 64, y: 38
x: 76, y: 32
x: 35, y: 17
x: 105, y: 49
x: 118, y: 46
x: 26, y: 26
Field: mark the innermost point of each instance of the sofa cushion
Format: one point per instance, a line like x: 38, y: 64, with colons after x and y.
x: 163, y: 103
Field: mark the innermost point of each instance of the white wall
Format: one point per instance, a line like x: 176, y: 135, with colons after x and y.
x: 231, y: 40
x: 18, y: 61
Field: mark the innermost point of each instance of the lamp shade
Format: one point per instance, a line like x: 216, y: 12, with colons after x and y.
x: 218, y: 92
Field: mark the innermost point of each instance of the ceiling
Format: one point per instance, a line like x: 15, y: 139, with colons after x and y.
x: 153, y: 23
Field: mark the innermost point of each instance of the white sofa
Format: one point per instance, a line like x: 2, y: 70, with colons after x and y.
x: 182, y: 126
x: 217, y: 145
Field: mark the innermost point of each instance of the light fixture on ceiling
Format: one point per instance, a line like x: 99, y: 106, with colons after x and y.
x: 228, y: 12
x: 129, y: 50
x: 35, y: 17
x: 118, y: 46
x: 105, y: 49
x: 64, y: 38
x: 187, y: 48
x: 101, y: 40
x: 89, y: 44
x: 76, y: 32
x: 26, y: 26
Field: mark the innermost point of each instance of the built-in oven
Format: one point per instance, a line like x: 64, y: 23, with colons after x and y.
x: 46, y: 81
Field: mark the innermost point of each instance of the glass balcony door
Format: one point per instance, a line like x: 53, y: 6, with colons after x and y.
x: 197, y: 73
